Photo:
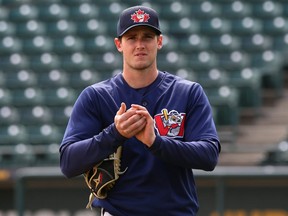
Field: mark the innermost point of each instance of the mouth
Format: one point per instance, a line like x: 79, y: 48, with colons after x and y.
x: 140, y: 54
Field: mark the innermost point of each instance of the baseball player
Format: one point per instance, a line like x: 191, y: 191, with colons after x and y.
x: 163, y: 123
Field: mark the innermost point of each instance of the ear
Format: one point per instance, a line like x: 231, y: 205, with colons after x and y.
x: 118, y: 44
x: 159, y: 42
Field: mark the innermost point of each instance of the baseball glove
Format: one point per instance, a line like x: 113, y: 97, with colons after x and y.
x: 102, y: 177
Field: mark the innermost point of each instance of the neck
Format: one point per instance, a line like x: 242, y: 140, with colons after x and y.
x: 140, y: 79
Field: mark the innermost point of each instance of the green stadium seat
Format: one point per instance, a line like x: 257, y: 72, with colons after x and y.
x: 44, y: 62
x: 204, y: 9
x: 275, y: 26
x: 47, y: 155
x: 171, y: 61
x: 12, y: 134
x: 67, y: 45
x: 214, y: 26
x: 84, y: 78
x: 234, y: 60
x: 203, y: 60
x: 110, y: 10
x: 8, y: 115
x: 245, y: 26
x: 9, y: 45
x: 5, y: 97
x: 256, y: 43
x: 225, y: 99
x: 83, y: 11
x: 35, y: 115
x: 20, y: 79
x: 6, y: 28
x: 212, y: 78
x: 183, y: 26
x: 193, y: 43
x: 99, y: 44
x: 43, y: 134
x: 15, y: 61
x: 23, y: 13
x: 36, y: 45
x: 174, y: 10
x: 248, y: 82
x: 235, y: 9
x: 60, y: 114
x: 90, y: 28
x: 107, y: 62
x: 224, y: 43
x: 75, y: 62
x: 27, y: 97
x: 53, y: 78
x: 280, y: 42
x: 4, y: 13
x: 31, y: 28
x: 266, y: 9
x: 52, y: 12
x: 59, y: 96
x: 60, y: 28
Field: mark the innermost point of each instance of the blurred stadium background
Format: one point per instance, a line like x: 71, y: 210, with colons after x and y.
x: 238, y: 50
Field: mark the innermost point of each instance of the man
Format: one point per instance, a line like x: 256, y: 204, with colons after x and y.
x: 163, y: 123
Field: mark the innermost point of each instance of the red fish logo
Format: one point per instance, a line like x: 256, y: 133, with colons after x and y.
x: 140, y: 16
x: 170, y: 123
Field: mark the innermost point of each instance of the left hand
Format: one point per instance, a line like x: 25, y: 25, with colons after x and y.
x: 147, y: 134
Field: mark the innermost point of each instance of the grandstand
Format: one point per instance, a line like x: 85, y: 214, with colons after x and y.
x: 52, y: 49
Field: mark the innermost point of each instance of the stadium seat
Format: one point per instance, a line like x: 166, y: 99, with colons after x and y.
x: 224, y: 43
x: 204, y: 9
x: 36, y: 45
x: 225, y: 99
x: 53, y: 79
x: 106, y: 62
x: 67, y: 45
x: 248, y: 82
x: 200, y: 61
x: 183, y: 26
x: 60, y: 114
x: 43, y: 134
x: 280, y: 42
x: 110, y: 10
x: 234, y: 60
x: 235, y: 9
x: 15, y: 61
x: 171, y: 61
x: 75, y: 62
x: 8, y: 115
x: 60, y: 28
x: 27, y: 97
x: 256, y: 43
x: 23, y: 12
x: 29, y: 29
x: 20, y: 79
x: 9, y: 45
x: 6, y: 28
x: 46, y: 155
x: 214, y: 26
x: 83, y: 11
x: 35, y: 115
x: 59, y: 96
x: 5, y: 97
x: 193, y: 43
x: 174, y: 10
x: 90, y: 28
x: 52, y: 12
x: 275, y: 26
x: 99, y: 44
x: 212, y: 78
x: 84, y: 78
x: 44, y: 62
x: 12, y: 134
x: 266, y: 9
x: 245, y: 26
x: 4, y: 13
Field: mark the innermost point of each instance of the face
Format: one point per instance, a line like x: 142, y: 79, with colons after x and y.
x: 139, y: 47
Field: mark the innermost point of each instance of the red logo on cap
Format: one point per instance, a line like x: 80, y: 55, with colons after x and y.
x: 140, y: 16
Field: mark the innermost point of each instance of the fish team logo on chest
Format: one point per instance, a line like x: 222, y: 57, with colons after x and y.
x: 170, y: 124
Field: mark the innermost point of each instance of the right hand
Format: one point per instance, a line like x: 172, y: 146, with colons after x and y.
x: 128, y: 122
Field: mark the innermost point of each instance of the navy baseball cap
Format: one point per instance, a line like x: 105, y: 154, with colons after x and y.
x: 137, y: 16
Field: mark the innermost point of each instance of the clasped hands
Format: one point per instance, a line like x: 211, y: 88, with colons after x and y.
x: 137, y: 122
